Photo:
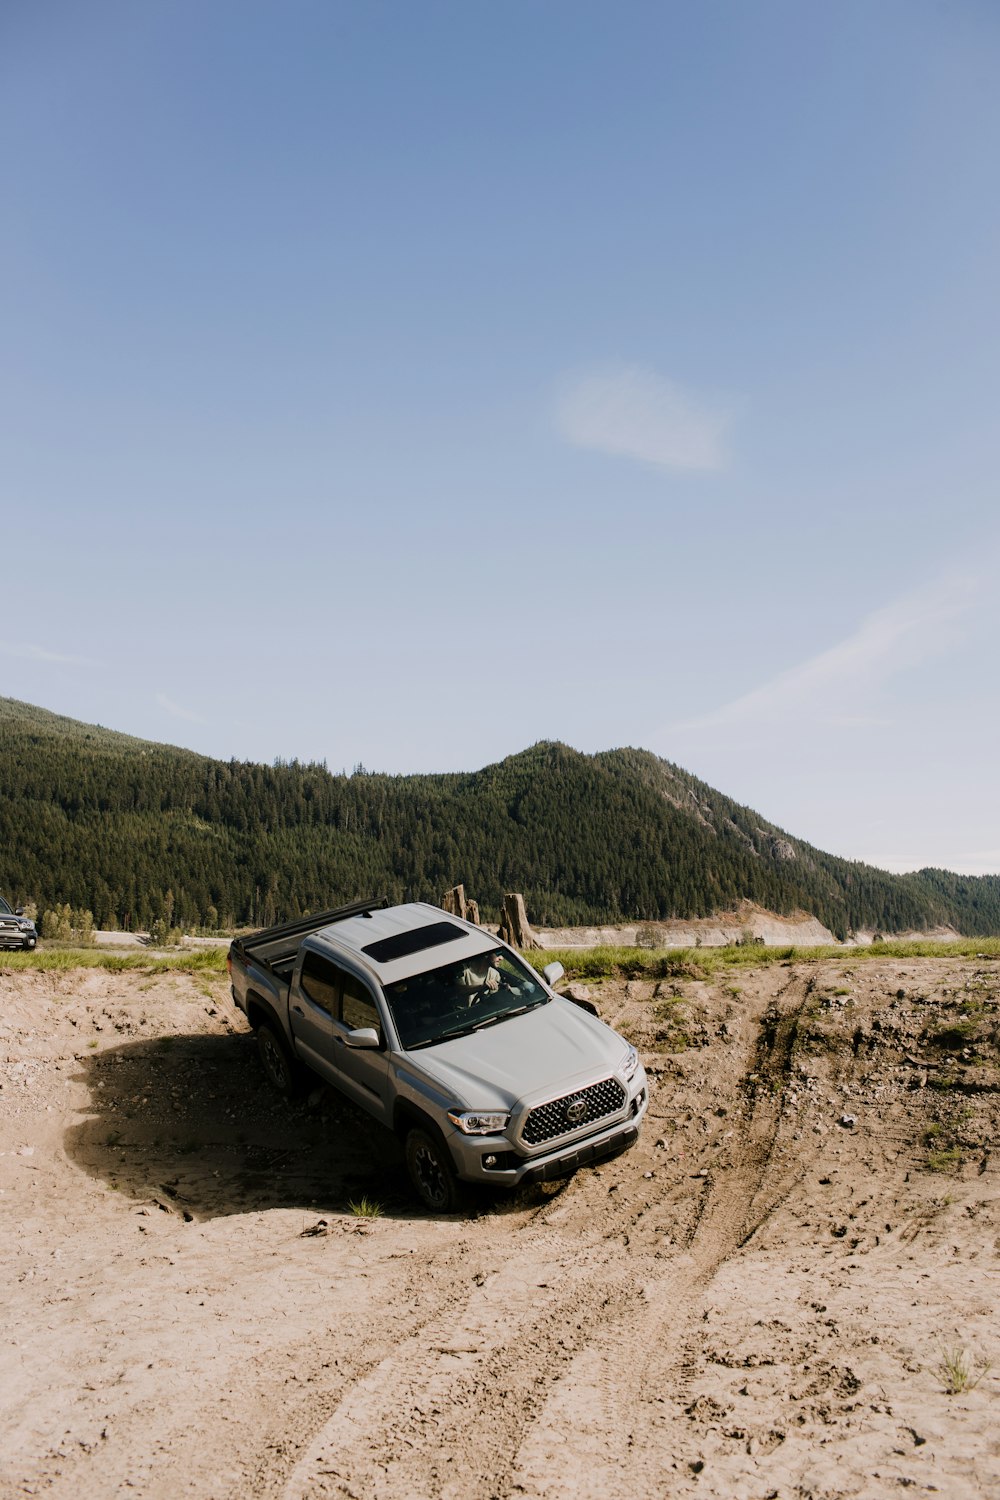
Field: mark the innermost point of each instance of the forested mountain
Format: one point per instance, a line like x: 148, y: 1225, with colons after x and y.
x: 137, y: 832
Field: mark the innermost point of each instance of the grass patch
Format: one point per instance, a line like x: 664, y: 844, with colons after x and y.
x: 957, y: 1372
x: 943, y: 1155
x: 952, y: 1036
x: 60, y: 960
x: 702, y: 963
x: 366, y: 1208
x: 946, y: 1160
x: 672, y: 1035
x: 586, y: 964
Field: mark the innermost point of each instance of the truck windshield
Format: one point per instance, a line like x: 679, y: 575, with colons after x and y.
x: 461, y: 998
x: 4, y: 908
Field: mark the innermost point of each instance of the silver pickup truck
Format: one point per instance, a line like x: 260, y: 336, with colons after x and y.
x: 445, y: 1035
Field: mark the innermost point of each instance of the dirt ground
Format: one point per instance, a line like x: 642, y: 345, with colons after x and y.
x: 787, y: 1289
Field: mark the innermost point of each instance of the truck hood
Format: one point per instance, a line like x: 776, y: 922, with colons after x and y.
x: 540, y: 1055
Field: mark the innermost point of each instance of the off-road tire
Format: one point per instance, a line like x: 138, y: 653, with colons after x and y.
x: 431, y: 1173
x: 279, y: 1066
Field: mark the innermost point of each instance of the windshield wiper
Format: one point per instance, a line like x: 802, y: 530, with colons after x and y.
x: 443, y: 1036
x: 506, y: 1015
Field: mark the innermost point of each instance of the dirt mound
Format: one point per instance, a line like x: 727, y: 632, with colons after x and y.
x: 786, y: 1289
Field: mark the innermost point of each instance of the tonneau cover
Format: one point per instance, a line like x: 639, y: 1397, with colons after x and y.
x: 273, y: 945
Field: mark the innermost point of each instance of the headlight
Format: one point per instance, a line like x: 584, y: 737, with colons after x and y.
x: 631, y: 1062
x: 478, y: 1122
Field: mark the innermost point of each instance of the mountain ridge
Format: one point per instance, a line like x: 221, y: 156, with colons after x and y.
x: 137, y: 831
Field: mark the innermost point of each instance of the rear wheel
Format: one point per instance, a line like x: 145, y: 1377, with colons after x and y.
x: 275, y: 1059
x: 432, y: 1173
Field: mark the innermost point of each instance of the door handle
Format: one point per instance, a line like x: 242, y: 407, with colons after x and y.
x: 297, y: 1010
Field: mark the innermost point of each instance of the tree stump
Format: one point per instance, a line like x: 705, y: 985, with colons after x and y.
x: 514, y: 927
x: 454, y: 901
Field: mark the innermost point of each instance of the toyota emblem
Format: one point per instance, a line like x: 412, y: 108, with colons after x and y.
x: 575, y: 1110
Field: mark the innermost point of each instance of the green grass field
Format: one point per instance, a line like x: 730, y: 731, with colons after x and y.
x: 651, y: 963
x: 46, y: 960
x: 579, y: 963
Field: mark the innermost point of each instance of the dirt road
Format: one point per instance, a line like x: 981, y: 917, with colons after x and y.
x: 769, y: 1296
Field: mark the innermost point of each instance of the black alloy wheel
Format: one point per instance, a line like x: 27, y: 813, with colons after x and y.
x: 431, y: 1173
x: 274, y: 1059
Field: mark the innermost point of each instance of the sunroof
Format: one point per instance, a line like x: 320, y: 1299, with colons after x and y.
x: 402, y: 944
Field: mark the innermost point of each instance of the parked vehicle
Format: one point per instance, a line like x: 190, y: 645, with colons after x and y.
x: 16, y: 930
x: 447, y: 1037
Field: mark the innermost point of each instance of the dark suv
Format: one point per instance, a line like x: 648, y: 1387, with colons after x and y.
x: 16, y: 930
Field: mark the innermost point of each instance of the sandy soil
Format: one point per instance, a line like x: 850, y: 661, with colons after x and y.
x: 759, y: 1300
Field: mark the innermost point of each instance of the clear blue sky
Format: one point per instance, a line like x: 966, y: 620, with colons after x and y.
x: 403, y: 383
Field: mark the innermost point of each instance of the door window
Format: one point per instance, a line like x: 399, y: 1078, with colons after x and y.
x: 320, y: 981
x: 358, y: 1007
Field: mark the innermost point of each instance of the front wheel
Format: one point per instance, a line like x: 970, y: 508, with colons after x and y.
x: 431, y: 1173
x: 275, y: 1060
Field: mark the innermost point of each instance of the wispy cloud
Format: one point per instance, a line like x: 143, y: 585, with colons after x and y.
x: 177, y: 711
x: 639, y: 414
x: 904, y: 634
x: 27, y: 652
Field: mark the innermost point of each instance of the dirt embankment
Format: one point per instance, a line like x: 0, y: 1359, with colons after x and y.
x: 800, y: 930
x: 770, y: 1296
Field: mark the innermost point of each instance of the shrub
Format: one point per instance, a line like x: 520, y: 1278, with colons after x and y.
x: 366, y: 1208
x: 66, y: 924
x: 958, y: 1373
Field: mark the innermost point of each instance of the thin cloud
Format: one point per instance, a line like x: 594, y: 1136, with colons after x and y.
x: 905, y: 633
x: 27, y: 652
x: 177, y: 711
x: 634, y: 412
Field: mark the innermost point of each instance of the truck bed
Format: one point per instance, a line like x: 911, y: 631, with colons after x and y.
x: 275, y: 948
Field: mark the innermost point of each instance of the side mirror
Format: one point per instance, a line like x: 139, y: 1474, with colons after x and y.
x: 364, y: 1036
x: 552, y: 973
x: 19, y: 911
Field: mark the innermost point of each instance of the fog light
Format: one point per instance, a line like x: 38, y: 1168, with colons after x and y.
x: 489, y: 1161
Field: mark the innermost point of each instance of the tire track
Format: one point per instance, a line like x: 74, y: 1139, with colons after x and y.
x: 628, y: 1384
x: 583, y: 1323
x: 751, y: 1185
x: 445, y: 1414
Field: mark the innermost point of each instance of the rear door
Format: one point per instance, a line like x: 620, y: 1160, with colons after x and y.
x: 314, y: 1011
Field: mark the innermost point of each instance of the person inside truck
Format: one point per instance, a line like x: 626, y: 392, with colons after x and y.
x: 481, y: 976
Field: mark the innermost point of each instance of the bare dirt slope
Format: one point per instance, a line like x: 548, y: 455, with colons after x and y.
x: 759, y: 1300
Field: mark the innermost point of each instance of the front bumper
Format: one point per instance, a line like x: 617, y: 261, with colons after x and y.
x: 513, y: 1168
x: 18, y: 937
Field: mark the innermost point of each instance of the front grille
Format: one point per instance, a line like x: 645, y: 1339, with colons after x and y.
x: 4, y: 923
x: 549, y: 1120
